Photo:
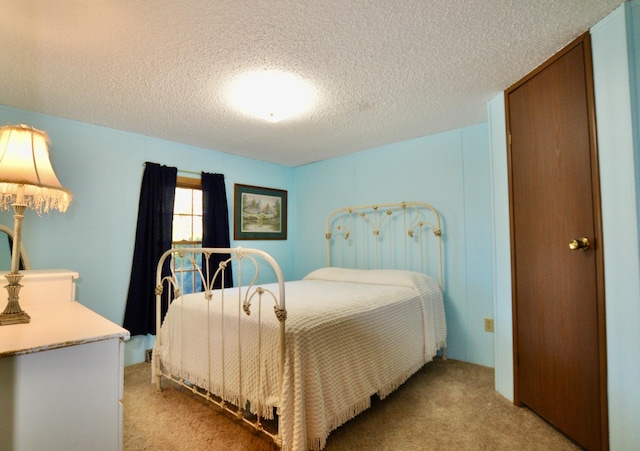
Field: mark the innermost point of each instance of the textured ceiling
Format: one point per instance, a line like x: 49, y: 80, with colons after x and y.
x: 385, y: 70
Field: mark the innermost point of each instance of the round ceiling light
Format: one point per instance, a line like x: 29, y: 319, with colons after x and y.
x: 271, y: 95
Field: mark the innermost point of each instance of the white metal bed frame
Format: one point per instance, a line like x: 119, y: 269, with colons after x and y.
x: 375, y: 220
x: 246, y: 295
x: 372, y: 219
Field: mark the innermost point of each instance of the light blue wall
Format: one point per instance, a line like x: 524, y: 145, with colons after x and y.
x: 448, y: 170
x: 615, y: 43
x: 103, y: 168
x: 502, y: 249
x: 615, y: 53
x: 5, y: 254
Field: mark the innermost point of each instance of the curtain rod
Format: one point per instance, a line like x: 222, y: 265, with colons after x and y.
x: 184, y: 171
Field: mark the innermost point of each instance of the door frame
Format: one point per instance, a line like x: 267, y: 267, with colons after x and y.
x: 598, y: 245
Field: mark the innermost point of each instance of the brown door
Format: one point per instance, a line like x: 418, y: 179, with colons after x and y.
x: 559, y: 341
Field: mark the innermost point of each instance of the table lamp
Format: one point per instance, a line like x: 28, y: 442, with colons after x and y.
x: 27, y: 179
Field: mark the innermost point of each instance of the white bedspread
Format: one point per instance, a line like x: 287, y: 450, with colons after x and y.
x: 350, y: 334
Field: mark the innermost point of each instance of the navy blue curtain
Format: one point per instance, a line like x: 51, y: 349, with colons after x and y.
x: 153, y: 238
x: 215, y: 222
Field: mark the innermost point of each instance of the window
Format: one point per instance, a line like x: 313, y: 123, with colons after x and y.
x: 187, y: 229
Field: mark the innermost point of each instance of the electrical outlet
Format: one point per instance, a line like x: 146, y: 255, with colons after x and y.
x: 488, y: 324
x: 147, y: 355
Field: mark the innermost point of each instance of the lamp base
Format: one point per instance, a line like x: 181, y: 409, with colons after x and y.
x: 14, y: 318
x: 13, y: 313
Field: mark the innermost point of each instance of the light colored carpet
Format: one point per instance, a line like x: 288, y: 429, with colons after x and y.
x: 448, y: 405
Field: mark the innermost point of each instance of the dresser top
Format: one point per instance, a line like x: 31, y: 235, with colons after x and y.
x: 55, y: 326
x: 44, y: 274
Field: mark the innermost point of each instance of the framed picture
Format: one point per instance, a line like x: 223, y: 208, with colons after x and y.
x: 259, y: 213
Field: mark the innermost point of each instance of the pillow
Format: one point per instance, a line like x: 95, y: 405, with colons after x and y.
x: 393, y: 277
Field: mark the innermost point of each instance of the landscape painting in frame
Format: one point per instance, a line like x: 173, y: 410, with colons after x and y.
x: 259, y: 213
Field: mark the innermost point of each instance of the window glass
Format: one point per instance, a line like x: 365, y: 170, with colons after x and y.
x: 187, y: 216
x: 187, y: 231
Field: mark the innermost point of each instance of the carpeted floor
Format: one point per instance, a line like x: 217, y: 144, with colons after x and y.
x: 448, y: 405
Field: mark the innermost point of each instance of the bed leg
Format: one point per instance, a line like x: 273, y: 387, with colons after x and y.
x: 158, y: 384
x: 444, y: 353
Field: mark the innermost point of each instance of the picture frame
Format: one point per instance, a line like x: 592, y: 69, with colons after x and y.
x: 259, y: 213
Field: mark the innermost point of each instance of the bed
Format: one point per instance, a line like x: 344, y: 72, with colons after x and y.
x: 307, y: 355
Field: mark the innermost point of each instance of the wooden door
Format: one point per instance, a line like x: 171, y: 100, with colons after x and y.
x: 558, y: 292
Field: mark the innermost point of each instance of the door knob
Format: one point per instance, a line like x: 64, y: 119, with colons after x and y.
x: 581, y: 243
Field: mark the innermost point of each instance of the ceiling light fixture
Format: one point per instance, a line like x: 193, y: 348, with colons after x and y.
x: 271, y: 95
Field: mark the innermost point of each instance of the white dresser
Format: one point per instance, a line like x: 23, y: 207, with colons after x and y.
x: 62, y: 374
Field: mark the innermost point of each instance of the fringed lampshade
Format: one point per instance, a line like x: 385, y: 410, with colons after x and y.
x: 25, y: 166
x: 27, y: 179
